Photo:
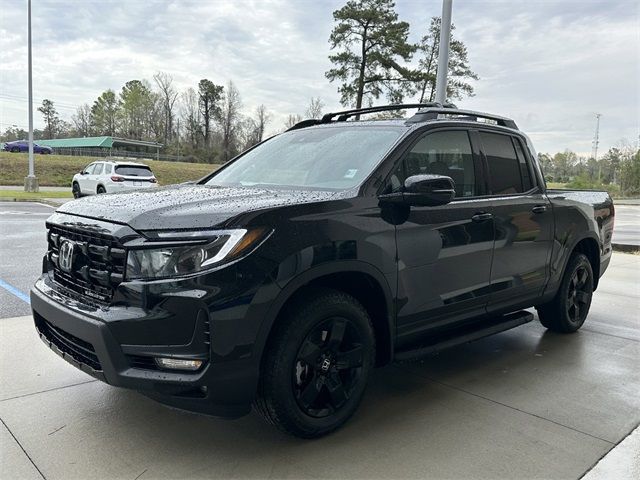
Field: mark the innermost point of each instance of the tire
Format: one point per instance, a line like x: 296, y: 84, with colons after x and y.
x: 568, y: 310
x: 101, y: 190
x: 75, y: 189
x: 317, y: 364
x: 15, y: 149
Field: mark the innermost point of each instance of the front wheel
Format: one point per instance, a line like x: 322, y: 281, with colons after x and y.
x: 317, y: 364
x: 569, y: 308
x: 75, y: 189
x: 15, y: 149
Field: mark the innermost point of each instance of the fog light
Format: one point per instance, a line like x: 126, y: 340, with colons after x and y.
x: 178, y: 364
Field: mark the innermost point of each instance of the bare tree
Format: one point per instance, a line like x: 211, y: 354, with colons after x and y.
x: 83, y: 120
x: 291, y: 120
x: 254, y: 127
x: 169, y: 95
x: 314, y: 110
x: 191, y: 116
x: 230, y: 122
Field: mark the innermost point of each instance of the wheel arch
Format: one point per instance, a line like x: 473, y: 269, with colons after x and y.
x: 588, y: 246
x: 359, y: 279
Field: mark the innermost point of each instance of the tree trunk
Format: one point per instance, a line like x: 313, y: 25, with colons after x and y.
x: 363, y: 65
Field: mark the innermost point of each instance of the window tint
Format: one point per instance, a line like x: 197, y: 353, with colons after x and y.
x: 133, y: 170
x: 90, y: 168
x: 98, y: 169
x: 441, y: 153
x: 504, y: 168
x: 527, y: 179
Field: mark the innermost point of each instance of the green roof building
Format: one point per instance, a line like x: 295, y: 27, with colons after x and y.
x: 112, y: 144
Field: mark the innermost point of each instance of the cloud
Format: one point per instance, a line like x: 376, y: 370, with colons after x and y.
x: 549, y: 65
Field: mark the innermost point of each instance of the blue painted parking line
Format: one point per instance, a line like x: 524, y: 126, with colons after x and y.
x: 14, y: 291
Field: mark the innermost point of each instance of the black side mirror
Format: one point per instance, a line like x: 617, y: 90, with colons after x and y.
x: 424, y: 190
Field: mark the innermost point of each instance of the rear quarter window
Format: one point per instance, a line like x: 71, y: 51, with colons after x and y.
x: 505, y: 175
x: 133, y: 171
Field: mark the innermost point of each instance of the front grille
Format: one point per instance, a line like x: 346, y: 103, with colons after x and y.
x: 97, y: 264
x: 81, y: 351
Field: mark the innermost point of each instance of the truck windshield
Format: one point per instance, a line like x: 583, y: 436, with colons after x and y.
x: 318, y: 158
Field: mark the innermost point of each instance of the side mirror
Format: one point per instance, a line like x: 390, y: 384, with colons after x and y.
x: 424, y: 190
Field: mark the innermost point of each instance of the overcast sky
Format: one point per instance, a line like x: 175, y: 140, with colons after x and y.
x: 550, y: 65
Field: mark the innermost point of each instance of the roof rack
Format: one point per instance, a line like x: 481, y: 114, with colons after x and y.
x: 345, y: 114
x: 433, y: 113
x: 427, y: 111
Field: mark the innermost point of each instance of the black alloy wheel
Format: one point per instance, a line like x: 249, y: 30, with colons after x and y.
x: 328, y: 367
x: 579, y: 295
x: 568, y: 310
x: 317, y: 363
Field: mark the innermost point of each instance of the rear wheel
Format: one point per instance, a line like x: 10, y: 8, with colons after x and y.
x: 568, y: 310
x: 101, y: 189
x: 317, y: 364
x: 75, y: 189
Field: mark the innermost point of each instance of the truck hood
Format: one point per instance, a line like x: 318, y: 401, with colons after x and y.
x: 186, y: 206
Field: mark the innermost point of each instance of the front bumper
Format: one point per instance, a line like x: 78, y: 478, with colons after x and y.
x: 222, y: 388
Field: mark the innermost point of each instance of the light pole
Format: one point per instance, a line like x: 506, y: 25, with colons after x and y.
x: 443, y: 52
x: 30, y: 181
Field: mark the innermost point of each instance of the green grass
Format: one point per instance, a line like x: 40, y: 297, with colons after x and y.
x: 57, y: 170
x: 21, y: 195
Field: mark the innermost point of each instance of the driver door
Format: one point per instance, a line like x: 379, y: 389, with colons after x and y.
x: 444, y: 252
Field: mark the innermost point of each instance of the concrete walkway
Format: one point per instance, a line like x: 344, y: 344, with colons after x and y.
x: 526, y: 403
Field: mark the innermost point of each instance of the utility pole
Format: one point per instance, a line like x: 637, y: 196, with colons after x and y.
x: 31, y: 181
x: 443, y: 52
x: 596, y: 142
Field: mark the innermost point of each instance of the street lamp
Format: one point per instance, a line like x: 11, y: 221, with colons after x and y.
x: 30, y: 181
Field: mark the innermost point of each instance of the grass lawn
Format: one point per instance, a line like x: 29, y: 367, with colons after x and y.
x: 20, y: 195
x: 57, y: 170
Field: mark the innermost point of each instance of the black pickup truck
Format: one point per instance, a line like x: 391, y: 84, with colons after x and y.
x: 284, y: 277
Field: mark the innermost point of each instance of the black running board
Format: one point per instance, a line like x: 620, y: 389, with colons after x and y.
x: 469, y: 334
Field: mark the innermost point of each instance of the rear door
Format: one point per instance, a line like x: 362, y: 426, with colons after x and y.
x: 95, y: 177
x: 84, y: 179
x: 523, y: 222
x: 444, y: 252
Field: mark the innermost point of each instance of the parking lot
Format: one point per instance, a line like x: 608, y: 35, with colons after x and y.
x: 525, y: 403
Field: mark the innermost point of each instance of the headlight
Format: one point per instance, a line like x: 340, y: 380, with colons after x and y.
x: 200, y: 250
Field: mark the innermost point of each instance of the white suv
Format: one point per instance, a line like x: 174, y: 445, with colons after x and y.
x: 108, y: 177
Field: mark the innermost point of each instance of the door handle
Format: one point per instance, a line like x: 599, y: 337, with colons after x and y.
x: 539, y: 209
x: 481, y: 217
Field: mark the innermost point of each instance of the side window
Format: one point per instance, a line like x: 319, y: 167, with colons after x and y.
x: 98, y: 169
x: 527, y: 178
x: 107, y: 168
x: 441, y: 153
x: 89, y: 168
x: 505, y: 176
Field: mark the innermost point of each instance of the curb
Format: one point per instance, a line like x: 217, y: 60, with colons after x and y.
x: 32, y: 200
x: 625, y: 248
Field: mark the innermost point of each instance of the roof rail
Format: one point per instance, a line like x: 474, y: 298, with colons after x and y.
x: 433, y: 113
x: 345, y: 114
